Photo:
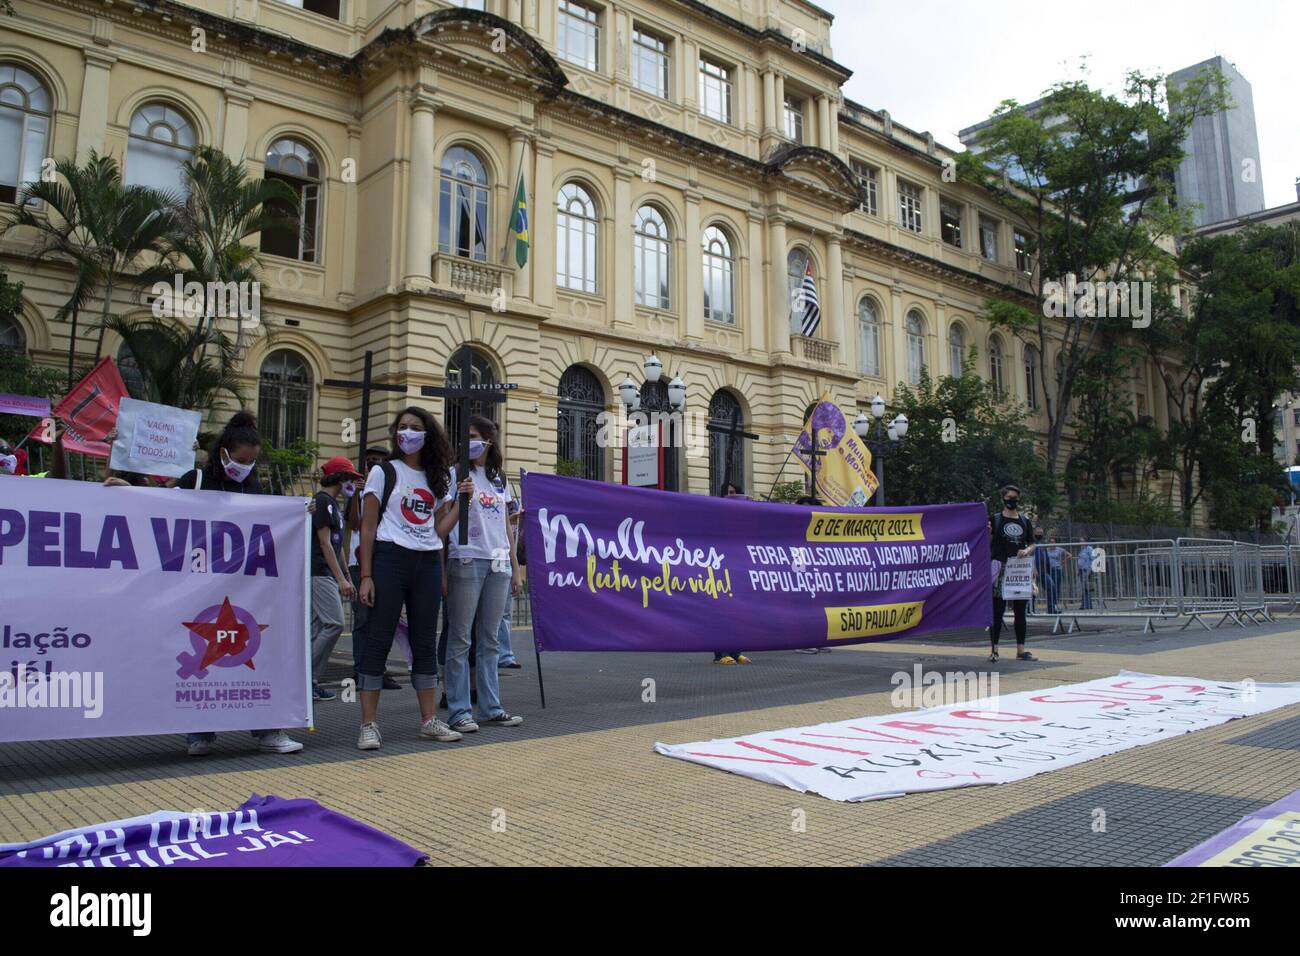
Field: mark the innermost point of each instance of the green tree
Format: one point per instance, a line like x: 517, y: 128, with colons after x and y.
x: 90, y: 219
x: 1092, y: 174
x: 220, y: 209
x: 964, y: 442
x: 19, y: 375
x: 171, y: 370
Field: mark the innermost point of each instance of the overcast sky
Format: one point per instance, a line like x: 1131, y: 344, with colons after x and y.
x: 941, y: 65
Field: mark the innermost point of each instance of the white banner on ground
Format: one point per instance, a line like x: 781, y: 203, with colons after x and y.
x: 154, y: 439
x: 990, y: 741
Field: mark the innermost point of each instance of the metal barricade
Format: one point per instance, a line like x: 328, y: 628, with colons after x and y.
x: 1220, y: 578
x: 1110, y: 579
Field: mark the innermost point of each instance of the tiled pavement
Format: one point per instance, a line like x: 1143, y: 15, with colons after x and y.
x: 579, y: 783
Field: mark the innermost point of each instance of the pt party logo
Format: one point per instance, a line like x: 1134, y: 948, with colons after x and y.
x: 223, y: 637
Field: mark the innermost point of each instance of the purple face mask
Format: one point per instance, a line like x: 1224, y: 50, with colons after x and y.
x: 410, y: 441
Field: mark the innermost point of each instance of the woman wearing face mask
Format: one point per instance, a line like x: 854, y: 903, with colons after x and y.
x: 230, y: 468
x: 481, y: 575
x: 329, y: 584
x: 408, y: 506
x: 1012, y: 537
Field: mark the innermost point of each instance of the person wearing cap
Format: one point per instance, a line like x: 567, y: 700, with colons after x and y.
x: 1011, y: 536
x: 329, y: 583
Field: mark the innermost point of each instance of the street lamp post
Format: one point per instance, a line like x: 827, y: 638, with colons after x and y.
x: 881, y: 440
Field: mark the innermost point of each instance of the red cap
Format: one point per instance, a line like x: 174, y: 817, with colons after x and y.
x: 340, y: 465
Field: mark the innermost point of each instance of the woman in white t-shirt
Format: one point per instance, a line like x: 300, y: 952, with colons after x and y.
x: 407, y: 507
x: 480, y: 576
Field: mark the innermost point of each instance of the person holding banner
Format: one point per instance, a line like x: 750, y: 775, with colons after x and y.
x: 481, y: 574
x: 408, y: 507
x: 231, y: 468
x: 1012, y: 536
x: 327, y: 578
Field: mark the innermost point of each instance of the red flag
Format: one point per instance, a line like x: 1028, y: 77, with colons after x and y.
x: 89, y: 411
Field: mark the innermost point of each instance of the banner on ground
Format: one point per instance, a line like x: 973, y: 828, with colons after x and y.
x: 154, y: 439
x: 26, y: 405
x: 264, y: 831
x: 613, y: 568
x: 88, y: 412
x: 844, y: 475
x: 1269, y: 837
x: 146, y: 611
x: 989, y: 741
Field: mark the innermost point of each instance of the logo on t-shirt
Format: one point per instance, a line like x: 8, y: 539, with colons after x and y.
x: 1013, y: 531
x: 417, y: 506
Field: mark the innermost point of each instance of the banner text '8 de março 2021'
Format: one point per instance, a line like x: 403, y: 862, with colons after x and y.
x: 627, y: 569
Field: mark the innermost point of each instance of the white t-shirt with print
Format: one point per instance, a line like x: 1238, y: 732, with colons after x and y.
x: 489, y: 536
x: 408, y: 519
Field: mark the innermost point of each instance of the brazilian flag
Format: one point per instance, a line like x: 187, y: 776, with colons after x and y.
x: 519, y: 223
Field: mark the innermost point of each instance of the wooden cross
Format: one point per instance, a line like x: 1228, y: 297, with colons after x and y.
x: 732, y: 432
x: 814, y: 452
x: 460, y: 397
x: 367, y: 385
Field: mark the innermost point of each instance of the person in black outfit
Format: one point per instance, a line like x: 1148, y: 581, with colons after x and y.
x: 731, y: 490
x: 232, y: 467
x: 1011, y: 536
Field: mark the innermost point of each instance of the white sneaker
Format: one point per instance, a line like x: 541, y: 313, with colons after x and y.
x: 200, y: 748
x: 435, y: 728
x: 369, y: 738
x: 278, y: 742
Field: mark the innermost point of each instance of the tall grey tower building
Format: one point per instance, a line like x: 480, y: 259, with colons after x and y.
x: 1221, y: 171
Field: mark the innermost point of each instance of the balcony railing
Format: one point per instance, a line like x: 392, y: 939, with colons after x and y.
x: 468, y: 275
x: 815, y: 350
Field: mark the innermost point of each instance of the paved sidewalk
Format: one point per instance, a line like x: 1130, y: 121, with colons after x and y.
x: 578, y: 783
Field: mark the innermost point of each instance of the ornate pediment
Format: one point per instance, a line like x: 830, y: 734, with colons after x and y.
x: 818, y: 171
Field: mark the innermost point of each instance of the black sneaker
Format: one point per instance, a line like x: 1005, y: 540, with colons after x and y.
x: 390, y: 684
x: 442, y: 703
x: 1026, y: 656
x: 993, y: 658
x: 504, y: 720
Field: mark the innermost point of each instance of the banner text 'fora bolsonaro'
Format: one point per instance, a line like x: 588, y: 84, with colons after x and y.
x: 628, y: 569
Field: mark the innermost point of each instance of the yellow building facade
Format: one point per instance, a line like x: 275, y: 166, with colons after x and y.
x: 683, y: 163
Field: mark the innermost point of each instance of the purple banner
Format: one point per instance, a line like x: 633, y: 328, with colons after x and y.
x: 24, y: 405
x: 264, y: 831
x: 1267, y: 838
x: 612, y: 568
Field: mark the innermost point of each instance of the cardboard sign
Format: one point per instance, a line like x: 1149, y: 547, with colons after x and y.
x: 1018, y: 579
x: 154, y: 439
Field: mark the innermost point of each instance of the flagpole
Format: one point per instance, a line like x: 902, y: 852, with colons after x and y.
x: 514, y: 206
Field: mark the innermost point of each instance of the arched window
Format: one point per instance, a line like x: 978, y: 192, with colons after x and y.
x: 650, y: 240
x: 869, y: 338
x: 796, y: 267
x: 996, y: 374
x: 11, y: 335
x: 480, y: 373
x: 722, y: 407
x: 161, y: 139
x: 956, y: 349
x: 132, y: 377
x: 575, y: 239
x: 283, y: 398
x: 1031, y: 376
x: 463, y: 205
x: 915, y: 347
x: 24, y: 129
x: 582, y: 402
x: 719, y: 276
x: 294, y: 164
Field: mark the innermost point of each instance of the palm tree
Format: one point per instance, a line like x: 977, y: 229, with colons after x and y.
x: 164, y: 354
x: 220, y: 209
x: 100, y: 226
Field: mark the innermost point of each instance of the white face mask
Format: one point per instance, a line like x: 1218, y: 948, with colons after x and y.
x: 8, y: 464
x: 410, y: 441
x: 234, y: 470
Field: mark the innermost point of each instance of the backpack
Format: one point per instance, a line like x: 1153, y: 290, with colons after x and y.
x: 390, y: 482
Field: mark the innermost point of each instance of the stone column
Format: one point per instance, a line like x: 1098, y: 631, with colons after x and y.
x: 898, y: 332
x: 756, y: 318
x: 234, y: 138
x: 92, y: 119
x: 824, y: 122
x: 770, y: 109
x: 420, y: 210
x: 778, y: 305
x: 348, y: 283
x: 523, y: 287
x: 778, y: 99
x: 692, y: 310
x: 624, y: 297
x: 543, y: 227
x: 834, y: 315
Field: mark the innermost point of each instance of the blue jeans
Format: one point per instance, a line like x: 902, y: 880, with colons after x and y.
x: 1053, y: 590
x: 473, y: 588
x: 1085, y: 585
x: 506, y: 655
